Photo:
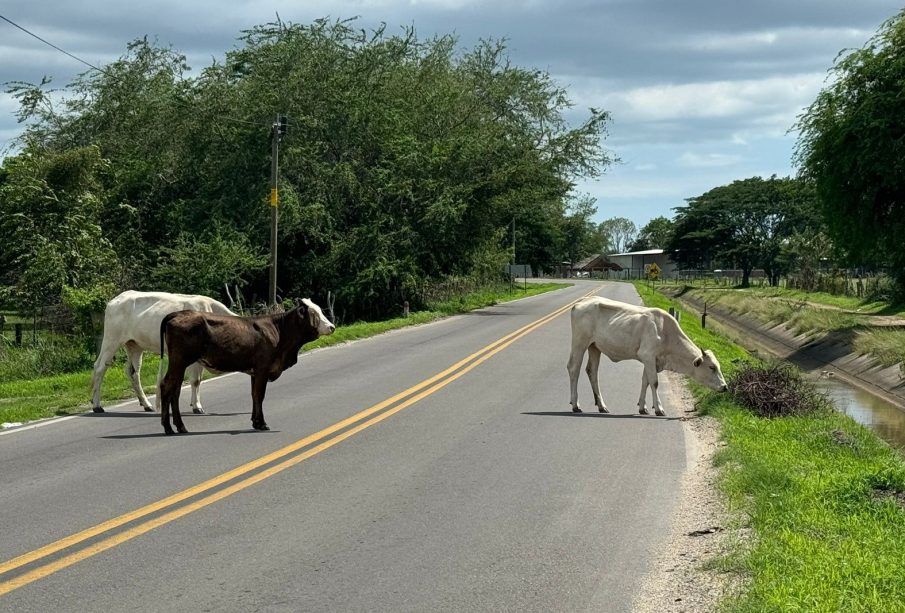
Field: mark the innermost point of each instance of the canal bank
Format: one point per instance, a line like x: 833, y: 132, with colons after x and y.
x: 871, y: 394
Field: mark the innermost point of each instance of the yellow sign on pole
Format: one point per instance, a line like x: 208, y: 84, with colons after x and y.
x: 274, y: 197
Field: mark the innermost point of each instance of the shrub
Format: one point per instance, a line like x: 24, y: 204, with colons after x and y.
x: 776, y: 390
x: 44, y: 358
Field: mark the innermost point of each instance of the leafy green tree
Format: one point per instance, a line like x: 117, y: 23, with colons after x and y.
x: 579, y: 233
x: 50, y: 210
x: 405, y: 161
x: 619, y: 233
x: 204, y: 264
x: 851, y: 147
x: 744, y: 224
x: 654, y: 235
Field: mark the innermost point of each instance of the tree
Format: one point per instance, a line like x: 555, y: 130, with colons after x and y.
x: 654, y: 235
x: 619, y: 233
x: 850, y: 146
x: 744, y: 224
x: 50, y: 211
x: 579, y: 233
x: 405, y: 162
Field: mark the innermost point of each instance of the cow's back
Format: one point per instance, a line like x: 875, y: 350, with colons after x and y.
x: 136, y: 316
x: 616, y: 328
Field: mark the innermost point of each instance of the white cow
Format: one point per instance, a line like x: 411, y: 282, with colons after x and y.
x: 624, y: 331
x: 133, y: 319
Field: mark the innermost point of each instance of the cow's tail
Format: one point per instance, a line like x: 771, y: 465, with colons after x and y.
x: 163, y: 349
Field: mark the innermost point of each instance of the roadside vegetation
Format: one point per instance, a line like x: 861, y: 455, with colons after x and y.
x: 26, y: 394
x: 816, y: 314
x: 816, y: 501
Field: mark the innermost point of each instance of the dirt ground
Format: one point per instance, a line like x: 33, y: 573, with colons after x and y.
x: 678, y: 581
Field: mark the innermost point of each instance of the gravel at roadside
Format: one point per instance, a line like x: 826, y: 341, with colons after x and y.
x: 677, y: 581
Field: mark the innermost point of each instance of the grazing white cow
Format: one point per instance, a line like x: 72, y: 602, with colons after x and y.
x: 133, y: 319
x: 624, y: 331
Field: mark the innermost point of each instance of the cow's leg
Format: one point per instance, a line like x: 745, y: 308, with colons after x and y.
x: 165, y: 392
x: 574, y: 368
x: 258, y: 388
x: 169, y: 391
x: 195, y: 372
x: 104, y: 359
x: 654, y: 383
x: 177, y: 416
x: 591, y: 369
x: 650, y: 380
x: 642, y: 408
x: 133, y: 373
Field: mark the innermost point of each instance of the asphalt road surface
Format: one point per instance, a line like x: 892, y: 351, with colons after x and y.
x: 436, y: 468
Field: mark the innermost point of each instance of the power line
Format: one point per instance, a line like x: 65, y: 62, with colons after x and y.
x: 11, y: 22
x: 75, y: 57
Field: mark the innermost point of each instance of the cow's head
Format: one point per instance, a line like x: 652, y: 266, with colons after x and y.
x: 316, y: 318
x: 707, y: 371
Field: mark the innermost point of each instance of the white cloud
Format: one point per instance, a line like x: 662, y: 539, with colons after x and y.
x: 792, y: 37
x: 743, y: 98
x: 707, y: 160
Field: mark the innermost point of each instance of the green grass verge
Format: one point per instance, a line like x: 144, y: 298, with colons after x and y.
x: 27, y: 400
x: 781, y: 306
x: 814, y: 493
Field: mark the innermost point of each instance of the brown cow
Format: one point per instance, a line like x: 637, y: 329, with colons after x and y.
x: 262, y: 346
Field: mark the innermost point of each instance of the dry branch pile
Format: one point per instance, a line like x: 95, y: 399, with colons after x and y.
x: 775, y: 390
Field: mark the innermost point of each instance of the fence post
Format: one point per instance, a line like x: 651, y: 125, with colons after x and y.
x: 704, y: 317
x: 18, y: 335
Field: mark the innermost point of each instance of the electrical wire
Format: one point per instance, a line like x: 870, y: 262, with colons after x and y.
x: 75, y: 57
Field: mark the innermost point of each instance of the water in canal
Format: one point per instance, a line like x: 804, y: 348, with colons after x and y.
x: 884, y: 418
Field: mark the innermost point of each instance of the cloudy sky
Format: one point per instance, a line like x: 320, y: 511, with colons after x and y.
x: 701, y: 92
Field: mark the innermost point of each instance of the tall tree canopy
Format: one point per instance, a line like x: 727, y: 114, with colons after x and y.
x: 744, y: 224
x: 406, y: 160
x: 655, y: 234
x: 851, y: 146
x: 618, y: 233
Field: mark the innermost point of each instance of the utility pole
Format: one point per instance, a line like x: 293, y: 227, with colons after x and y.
x: 512, y: 268
x: 277, y: 131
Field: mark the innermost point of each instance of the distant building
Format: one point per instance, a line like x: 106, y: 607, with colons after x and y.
x: 633, y: 263
x: 596, y: 265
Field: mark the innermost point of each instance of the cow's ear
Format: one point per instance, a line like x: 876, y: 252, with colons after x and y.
x: 698, y: 361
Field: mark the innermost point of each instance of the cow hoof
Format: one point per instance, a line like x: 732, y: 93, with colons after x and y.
x: 148, y: 409
x: 576, y: 410
x: 168, y: 431
x: 260, y: 426
x: 643, y: 411
x: 198, y: 411
x: 182, y: 430
x: 659, y: 412
x: 603, y: 409
x: 97, y: 409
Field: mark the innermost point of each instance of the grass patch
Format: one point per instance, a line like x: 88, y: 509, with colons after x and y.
x: 886, y: 345
x: 821, y: 496
x: 28, y: 398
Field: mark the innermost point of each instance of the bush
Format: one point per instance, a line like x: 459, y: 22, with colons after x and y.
x: 44, y: 358
x: 776, y: 390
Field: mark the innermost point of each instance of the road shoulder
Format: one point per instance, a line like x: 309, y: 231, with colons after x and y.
x: 679, y: 579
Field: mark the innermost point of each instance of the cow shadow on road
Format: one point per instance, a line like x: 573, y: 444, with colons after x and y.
x: 204, y: 433
x: 157, y: 415
x: 597, y: 415
x: 121, y: 414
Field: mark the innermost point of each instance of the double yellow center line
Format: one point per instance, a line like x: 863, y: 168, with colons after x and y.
x: 363, y: 419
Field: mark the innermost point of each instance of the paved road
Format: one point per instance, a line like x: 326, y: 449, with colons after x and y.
x: 476, y: 491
